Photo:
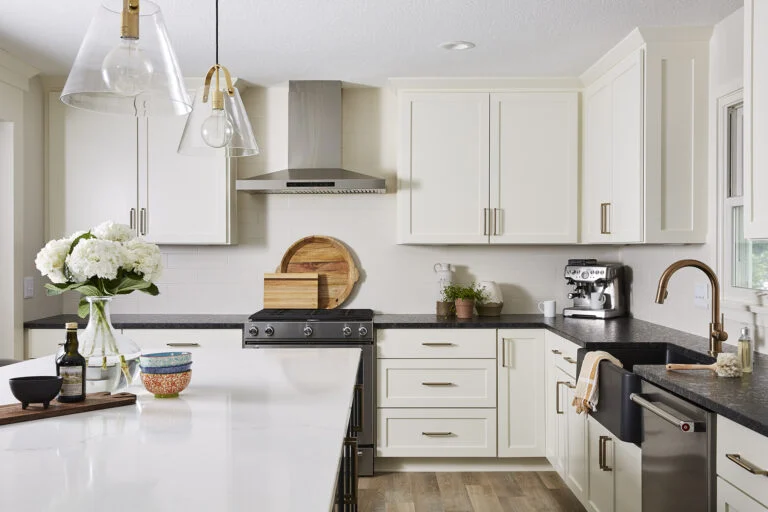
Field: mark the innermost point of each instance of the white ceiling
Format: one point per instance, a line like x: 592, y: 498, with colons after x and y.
x: 366, y: 41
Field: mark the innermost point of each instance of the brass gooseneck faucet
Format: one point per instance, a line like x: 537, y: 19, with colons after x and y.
x: 717, y: 334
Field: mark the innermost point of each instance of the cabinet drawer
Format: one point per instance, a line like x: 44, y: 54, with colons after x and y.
x: 730, y: 499
x: 562, y: 352
x: 436, y: 433
x: 436, y: 343
x: 437, y: 383
x: 186, y: 339
x: 749, y: 448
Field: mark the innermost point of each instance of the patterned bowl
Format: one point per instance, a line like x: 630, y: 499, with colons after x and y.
x: 167, y: 369
x: 159, y: 359
x: 166, y: 385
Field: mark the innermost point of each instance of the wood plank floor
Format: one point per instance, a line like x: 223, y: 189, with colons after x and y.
x: 466, y: 492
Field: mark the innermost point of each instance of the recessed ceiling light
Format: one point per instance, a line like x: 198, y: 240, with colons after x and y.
x: 457, y: 45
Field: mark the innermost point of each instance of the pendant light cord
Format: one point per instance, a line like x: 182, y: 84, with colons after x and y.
x: 217, y: 31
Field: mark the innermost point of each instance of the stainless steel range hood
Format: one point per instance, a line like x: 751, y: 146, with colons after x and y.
x: 314, y: 148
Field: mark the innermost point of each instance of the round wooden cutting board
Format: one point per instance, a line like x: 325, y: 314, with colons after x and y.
x: 330, y: 259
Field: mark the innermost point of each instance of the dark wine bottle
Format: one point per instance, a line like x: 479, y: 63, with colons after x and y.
x: 71, y: 367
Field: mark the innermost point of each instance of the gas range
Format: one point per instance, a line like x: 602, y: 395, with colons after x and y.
x: 309, y: 326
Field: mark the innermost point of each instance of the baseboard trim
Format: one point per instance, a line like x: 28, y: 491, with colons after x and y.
x: 437, y: 464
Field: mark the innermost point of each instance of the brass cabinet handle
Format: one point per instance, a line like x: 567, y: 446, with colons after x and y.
x: 142, y: 221
x: 183, y: 344
x: 503, y: 352
x: 437, y: 434
x: 556, y: 352
x: 496, y: 220
x: 486, y: 220
x: 132, y: 218
x: 602, y: 459
x: 570, y: 385
x: 437, y: 384
x: 605, y: 219
x: 745, y: 464
x: 569, y: 360
x: 557, y: 397
x: 428, y: 344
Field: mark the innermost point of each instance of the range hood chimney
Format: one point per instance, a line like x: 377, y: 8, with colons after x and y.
x: 314, y: 148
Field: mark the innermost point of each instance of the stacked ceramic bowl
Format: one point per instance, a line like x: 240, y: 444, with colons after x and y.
x: 166, y: 374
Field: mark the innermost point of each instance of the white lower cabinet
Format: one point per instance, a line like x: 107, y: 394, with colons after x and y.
x: 614, y: 471
x: 576, y: 472
x: 521, y: 405
x: 436, y: 433
x: 731, y: 499
x: 742, y: 459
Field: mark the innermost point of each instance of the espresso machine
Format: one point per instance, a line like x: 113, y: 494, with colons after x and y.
x: 598, y: 289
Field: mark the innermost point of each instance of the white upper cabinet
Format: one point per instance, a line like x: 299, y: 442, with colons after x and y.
x: 443, y: 171
x: 755, y: 119
x: 479, y: 167
x: 104, y: 167
x: 534, y: 167
x: 644, y: 175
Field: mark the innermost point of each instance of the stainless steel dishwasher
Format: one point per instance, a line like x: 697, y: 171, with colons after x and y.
x: 678, y: 453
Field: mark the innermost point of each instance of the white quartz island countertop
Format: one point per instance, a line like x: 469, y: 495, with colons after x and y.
x: 256, y: 430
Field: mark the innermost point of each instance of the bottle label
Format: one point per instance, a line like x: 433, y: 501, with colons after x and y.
x: 72, y: 377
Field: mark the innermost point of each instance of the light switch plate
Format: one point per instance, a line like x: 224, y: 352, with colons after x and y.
x: 29, y: 287
x: 701, y: 295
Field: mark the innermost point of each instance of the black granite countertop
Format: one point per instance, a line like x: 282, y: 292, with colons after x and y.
x: 148, y: 321
x: 743, y: 400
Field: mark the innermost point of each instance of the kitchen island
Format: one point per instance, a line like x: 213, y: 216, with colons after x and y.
x: 255, y: 430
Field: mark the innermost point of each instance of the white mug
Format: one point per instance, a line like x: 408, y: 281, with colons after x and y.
x: 547, y: 307
x: 596, y: 300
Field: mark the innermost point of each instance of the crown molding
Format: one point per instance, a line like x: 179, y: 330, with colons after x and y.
x: 15, y: 72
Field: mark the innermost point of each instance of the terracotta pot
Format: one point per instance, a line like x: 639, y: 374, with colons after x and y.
x: 444, y: 308
x: 464, y: 308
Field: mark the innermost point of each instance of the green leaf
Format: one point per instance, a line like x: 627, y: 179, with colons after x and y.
x: 84, y: 236
x: 152, y: 290
x: 58, y: 288
x: 83, y: 308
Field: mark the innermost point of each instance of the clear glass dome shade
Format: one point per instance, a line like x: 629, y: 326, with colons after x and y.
x: 242, y: 141
x: 138, y: 77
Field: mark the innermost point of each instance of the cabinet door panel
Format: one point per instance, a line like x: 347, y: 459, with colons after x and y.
x: 577, y: 469
x: 625, y: 212
x: 596, y: 176
x: 443, y: 172
x: 186, y: 198
x: 628, y: 477
x: 601, y: 489
x: 534, y: 167
x: 730, y: 499
x: 91, y: 168
x: 521, y: 397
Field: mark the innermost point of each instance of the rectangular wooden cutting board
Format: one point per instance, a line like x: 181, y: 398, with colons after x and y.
x: 13, y: 413
x: 295, y: 290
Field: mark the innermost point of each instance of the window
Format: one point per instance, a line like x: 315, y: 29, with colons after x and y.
x: 746, y: 261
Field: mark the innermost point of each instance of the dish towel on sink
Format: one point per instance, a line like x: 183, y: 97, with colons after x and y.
x: 586, y: 394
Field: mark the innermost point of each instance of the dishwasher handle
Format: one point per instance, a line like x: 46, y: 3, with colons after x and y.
x: 685, y: 425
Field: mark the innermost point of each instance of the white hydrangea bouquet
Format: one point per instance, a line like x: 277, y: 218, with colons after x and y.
x: 106, y: 261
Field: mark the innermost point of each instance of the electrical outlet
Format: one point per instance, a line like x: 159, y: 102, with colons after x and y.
x: 29, y: 287
x: 701, y: 295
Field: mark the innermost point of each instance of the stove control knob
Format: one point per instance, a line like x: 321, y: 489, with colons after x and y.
x: 269, y: 330
x: 347, y: 331
x: 308, y: 331
x: 362, y: 331
x: 253, y: 330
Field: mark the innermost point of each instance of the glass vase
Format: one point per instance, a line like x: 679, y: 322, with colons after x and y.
x: 112, y: 359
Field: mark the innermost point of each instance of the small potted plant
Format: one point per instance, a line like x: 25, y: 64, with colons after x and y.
x: 465, y: 299
x: 445, y: 307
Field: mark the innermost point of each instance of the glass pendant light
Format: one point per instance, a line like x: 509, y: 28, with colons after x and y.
x: 218, y: 118
x: 126, y: 64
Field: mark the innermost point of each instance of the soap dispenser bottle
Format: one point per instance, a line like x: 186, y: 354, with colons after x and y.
x: 745, y: 350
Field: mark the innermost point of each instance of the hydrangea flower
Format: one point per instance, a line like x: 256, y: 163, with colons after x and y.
x: 94, y: 257
x: 50, y: 260
x: 144, y: 258
x: 112, y: 231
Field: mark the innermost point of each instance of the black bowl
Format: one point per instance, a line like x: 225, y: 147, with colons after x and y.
x: 35, y: 390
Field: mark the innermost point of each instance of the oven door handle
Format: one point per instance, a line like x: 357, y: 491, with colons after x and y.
x: 685, y: 425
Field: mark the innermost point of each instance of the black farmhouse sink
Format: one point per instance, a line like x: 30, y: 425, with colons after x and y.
x: 615, y: 411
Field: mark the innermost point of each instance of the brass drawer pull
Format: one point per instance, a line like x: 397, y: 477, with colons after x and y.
x: 602, y: 456
x: 745, y: 464
x: 183, y: 344
x: 557, y: 396
x: 570, y: 385
x: 556, y: 352
x: 437, y: 434
x: 437, y: 384
x: 434, y: 344
x: 569, y: 360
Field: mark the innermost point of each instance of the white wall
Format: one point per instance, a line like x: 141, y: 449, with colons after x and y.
x: 648, y: 262
x: 394, y: 278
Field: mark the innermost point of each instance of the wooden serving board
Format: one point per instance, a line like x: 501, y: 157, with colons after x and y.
x: 330, y: 259
x: 291, y: 290
x: 13, y: 413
